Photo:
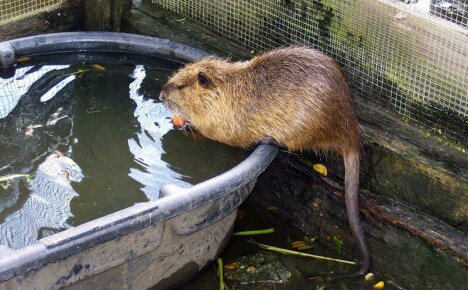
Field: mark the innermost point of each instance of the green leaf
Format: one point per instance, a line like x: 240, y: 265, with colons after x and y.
x: 288, y: 240
x: 5, y: 185
x: 310, y: 240
x: 338, y: 244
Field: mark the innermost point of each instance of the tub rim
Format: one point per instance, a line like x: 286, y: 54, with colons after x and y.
x: 173, y: 200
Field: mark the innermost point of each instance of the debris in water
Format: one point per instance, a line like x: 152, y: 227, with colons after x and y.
x: 65, y: 175
x: 252, y: 270
x: 4, y: 179
x: 23, y: 59
x: 301, y: 245
x: 296, y: 244
x: 320, y: 168
x: 13, y: 176
x: 272, y: 209
x: 99, y: 67
x: 379, y: 285
x: 81, y: 70
x: 255, y: 232
x: 55, y: 120
x: 30, y: 129
x: 369, y: 276
x: 88, y: 111
x: 231, y: 266
x: 317, y: 203
x: 78, y: 72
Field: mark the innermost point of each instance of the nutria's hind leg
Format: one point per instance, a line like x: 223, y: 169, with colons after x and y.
x: 268, y: 141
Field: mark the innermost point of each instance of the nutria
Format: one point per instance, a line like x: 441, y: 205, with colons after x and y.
x: 294, y: 97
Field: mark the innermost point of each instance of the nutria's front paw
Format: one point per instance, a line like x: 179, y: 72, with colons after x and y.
x: 268, y: 141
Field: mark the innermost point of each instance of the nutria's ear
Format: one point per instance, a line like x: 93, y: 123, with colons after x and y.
x: 203, y: 79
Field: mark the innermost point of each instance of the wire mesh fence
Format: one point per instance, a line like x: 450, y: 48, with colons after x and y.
x: 10, y: 9
x: 408, y: 56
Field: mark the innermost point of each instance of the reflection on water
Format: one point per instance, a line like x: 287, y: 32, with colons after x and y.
x: 146, y: 146
x: 118, y: 145
x: 12, y: 89
x: 48, y: 205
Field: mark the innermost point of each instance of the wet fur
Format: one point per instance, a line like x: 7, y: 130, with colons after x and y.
x: 296, y: 96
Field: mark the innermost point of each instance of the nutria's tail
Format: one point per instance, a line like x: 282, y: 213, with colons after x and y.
x: 351, y: 162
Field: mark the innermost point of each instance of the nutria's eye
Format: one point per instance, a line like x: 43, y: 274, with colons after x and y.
x: 202, y: 79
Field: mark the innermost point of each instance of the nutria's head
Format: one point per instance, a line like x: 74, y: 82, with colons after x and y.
x: 199, y: 89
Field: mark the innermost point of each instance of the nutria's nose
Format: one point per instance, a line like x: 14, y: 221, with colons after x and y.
x: 162, y: 96
x: 163, y: 93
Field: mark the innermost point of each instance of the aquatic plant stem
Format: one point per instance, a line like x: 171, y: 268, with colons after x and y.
x: 220, y: 273
x: 77, y: 72
x: 289, y: 252
x: 256, y: 232
x: 13, y: 176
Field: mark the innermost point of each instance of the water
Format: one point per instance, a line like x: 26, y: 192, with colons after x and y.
x: 93, y: 140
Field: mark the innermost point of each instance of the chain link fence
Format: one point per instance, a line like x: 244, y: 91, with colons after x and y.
x: 11, y: 9
x: 409, y: 56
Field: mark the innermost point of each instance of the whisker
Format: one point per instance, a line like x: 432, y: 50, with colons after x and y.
x: 190, y: 128
x: 184, y: 131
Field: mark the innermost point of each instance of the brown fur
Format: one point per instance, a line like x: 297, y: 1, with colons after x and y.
x: 297, y: 96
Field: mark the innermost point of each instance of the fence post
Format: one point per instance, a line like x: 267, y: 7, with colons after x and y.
x: 104, y: 15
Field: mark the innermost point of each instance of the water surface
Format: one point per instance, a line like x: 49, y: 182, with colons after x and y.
x: 94, y: 139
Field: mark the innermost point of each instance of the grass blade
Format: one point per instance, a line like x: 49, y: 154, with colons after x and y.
x: 256, y: 232
x: 220, y: 273
x: 290, y: 252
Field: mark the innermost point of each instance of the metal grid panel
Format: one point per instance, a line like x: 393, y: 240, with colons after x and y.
x: 410, y: 57
x: 10, y: 9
